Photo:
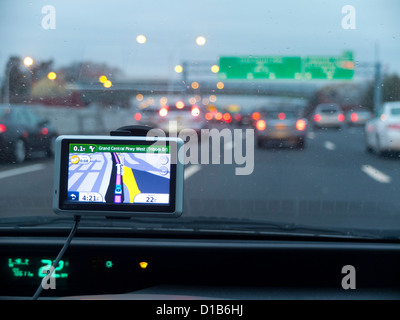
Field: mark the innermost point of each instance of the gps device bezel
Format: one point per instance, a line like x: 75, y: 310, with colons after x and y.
x: 61, y: 204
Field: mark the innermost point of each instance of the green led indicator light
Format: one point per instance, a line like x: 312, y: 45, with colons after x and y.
x: 109, y: 264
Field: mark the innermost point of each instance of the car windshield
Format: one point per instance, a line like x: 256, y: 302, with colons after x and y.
x: 331, y: 110
x: 90, y: 67
x: 395, y: 111
x: 281, y: 115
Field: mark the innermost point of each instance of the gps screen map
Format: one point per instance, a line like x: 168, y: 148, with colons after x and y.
x: 119, y: 174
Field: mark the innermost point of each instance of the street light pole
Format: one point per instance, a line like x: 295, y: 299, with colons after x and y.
x: 6, y: 97
x: 28, y: 61
x: 378, y: 81
x: 377, y: 87
x: 184, y: 77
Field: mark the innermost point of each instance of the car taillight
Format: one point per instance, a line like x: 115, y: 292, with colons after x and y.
x: 163, y: 112
x: 256, y: 116
x: 227, y: 117
x: 394, y: 126
x: 179, y: 105
x: 2, y: 128
x: 208, y: 116
x: 261, y: 125
x: 281, y: 116
x: 340, y: 117
x: 237, y: 117
x: 317, y: 117
x: 45, y: 131
x: 300, y: 125
x: 138, y: 116
x: 195, y: 111
x: 354, y: 117
x: 218, y: 116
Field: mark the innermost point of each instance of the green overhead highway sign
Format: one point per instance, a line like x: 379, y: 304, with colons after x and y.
x: 280, y: 67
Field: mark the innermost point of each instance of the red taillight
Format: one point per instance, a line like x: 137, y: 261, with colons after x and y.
x: 2, y: 128
x: 237, y: 117
x: 300, y: 125
x: 138, y: 116
x: 354, y: 117
x: 208, y: 116
x: 261, y: 125
x: 195, y: 111
x: 163, y: 112
x: 317, y: 117
x: 256, y: 116
x: 227, y: 117
x: 281, y: 116
x: 45, y: 131
x: 340, y: 117
x: 394, y: 126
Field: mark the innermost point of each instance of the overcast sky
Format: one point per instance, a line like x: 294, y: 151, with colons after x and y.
x: 105, y: 31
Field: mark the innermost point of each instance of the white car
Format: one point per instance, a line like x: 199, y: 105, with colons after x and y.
x: 328, y: 115
x: 382, y: 134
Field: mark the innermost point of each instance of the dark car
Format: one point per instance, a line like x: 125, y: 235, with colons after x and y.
x: 23, y: 132
x: 280, y: 126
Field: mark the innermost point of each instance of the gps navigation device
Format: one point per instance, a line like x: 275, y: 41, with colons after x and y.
x: 118, y: 176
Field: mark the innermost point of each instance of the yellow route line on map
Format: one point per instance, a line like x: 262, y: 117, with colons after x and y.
x: 130, y: 182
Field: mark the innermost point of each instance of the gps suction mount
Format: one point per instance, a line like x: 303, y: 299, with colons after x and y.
x: 134, y: 130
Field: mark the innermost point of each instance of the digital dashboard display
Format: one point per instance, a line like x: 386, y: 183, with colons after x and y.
x: 36, y: 268
x: 118, y: 174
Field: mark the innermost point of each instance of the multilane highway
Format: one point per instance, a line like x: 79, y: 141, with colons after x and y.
x: 332, y: 182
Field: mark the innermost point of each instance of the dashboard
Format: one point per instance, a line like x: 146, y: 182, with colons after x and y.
x: 199, y: 267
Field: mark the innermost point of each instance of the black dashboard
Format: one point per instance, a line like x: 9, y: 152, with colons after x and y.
x: 165, y: 267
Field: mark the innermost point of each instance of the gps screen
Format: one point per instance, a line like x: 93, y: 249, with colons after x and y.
x: 119, y: 174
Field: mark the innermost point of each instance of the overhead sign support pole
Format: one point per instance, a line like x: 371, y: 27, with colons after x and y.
x: 378, y: 82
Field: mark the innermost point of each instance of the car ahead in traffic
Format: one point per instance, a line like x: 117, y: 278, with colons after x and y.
x: 23, y: 132
x: 175, y: 117
x: 382, y: 133
x: 357, y: 117
x: 328, y: 115
x: 282, y: 127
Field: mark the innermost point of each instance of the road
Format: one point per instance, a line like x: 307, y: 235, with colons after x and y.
x: 332, y: 182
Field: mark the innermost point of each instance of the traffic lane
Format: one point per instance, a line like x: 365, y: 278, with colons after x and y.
x: 349, y: 144
x: 314, y: 186
x: 26, y: 189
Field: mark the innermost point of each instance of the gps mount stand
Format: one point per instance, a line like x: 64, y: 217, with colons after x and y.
x: 134, y: 130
